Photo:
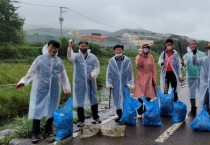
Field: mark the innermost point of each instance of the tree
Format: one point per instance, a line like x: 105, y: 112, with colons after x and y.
x: 11, y: 23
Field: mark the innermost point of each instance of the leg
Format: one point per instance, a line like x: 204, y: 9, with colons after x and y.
x: 94, y: 109
x: 173, y: 82
x: 206, y: 100
x: 166, y: 87
x: 35, y: 131
x: 119, y: 114
x: 142, y: 109
x: 48, y: 127
x: 81, y: 116
x: 192, y: 85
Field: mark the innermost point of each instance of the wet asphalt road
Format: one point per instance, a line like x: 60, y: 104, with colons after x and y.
x: 144, y: 135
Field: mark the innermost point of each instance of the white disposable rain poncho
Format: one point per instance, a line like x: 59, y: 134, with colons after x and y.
x: 204, y: 76
x: 119, y: 79
x: 84, y: 89
x: 47, y: 74
x: 175, y: 63
x: 192, y: 72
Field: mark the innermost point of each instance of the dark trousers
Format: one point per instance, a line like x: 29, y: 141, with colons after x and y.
x: 170, y: 78
x: 36, y: 126
x: 81, y: 115
x: 206, y: 100
x: 142, y: 109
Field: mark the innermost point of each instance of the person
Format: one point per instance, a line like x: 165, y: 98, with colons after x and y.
x: 48, y: 74
x: 204, y: 62
x: 119, y: 75
x: 193, y: 74
x: 145, y: 83
x: 86, y: 70
x: 171, y: 69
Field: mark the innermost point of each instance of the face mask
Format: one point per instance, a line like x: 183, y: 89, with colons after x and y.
x: 118, y: 55
x: 83, y: 50
x: 146, y: 50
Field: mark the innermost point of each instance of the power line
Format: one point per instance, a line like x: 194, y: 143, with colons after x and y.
x: 34, y: 4
x: 86, y: 17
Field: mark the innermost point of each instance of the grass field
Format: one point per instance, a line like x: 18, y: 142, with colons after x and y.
x: 14, y: 102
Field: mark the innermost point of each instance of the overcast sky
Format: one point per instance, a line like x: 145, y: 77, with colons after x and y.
x: 183, y: 17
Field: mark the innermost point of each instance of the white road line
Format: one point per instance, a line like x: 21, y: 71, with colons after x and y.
x: 163, y: 137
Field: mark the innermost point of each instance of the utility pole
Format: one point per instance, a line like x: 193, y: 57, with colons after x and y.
x: 61, y: 19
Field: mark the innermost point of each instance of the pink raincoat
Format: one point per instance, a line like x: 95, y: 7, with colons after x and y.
x: 146, y: 74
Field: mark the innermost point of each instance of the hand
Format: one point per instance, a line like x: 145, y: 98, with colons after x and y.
x: 162, y: 62
x: 182, y: 61
x: 194, y: 51
x: 129, y: 86
x: 67, y: 94
x: 19, y: 85
x: 180, y: 79
x: 71, y: 43
x: 110, y: 86
x: 90, y: 78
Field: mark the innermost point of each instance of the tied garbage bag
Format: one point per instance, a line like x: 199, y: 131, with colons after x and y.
x: 179, y: 112
x: 130, y: 107
x: 166, y: 103
x: 202, y: 121
x: 63, y: 121
x: 152, y: 114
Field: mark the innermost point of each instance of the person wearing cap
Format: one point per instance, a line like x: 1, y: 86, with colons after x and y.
x: 204, y: 62
x: 192, y: 74
x: 119, y: 76
x: 171, y: 69
x: 146, y: 78
x: 86, y: 70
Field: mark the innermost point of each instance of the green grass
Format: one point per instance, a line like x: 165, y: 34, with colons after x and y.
x: 14, y: 102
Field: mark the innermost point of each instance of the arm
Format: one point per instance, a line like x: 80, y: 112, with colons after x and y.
x: 179, y: 66
x: 65, y: 81
x: 96, y: 69
x: 130, y: 78
x: 185, y: 60
x: 70, y: 54
x: 138, y: 61
x: 108, y: 77
x: 154, y: 72
x: 161, y: 60
x: 31, y: 72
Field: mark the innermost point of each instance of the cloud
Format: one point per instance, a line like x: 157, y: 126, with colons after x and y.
x: 182, y: 17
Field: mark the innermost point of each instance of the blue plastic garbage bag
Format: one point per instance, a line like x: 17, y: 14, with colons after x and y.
x: 63, y: 121
x: 202, y: 121
x: 166, y: 103
x: 131, y: 105
x: 152, y: 114
x: 179, y: 111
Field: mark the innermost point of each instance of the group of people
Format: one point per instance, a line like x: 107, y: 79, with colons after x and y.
x: 48, y: 74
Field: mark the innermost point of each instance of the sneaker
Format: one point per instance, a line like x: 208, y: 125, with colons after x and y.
x: 117, y: 119
x: 80, y: 124
x: 35, y: 139
x: 97, y: 121
x: 50, y: 133
x: 192, y: 113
